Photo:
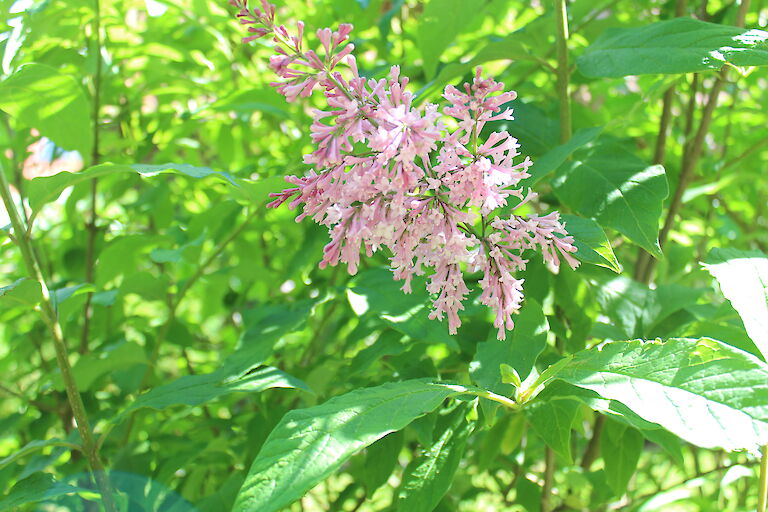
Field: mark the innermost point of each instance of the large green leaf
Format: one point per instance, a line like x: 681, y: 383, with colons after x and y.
x: 41, y: 97
x: 591, y: 243
x: 310, y: 444
x: 441, y: 22
x: 46, y: 189
x: 681, y: 45
x: 428, y: 477
x: 707, y: 392
x: 613, y: 186
x: 743, y: 278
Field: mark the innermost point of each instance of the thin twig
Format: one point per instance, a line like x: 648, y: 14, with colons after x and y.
x: 90, y: 226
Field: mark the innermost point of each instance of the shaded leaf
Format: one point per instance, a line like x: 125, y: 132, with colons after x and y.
x: 428, y: 477
x: 23, y: 292
x: 194, y: 390
x: 39, y: 487
x: 620, y: 447
x: 34, y: 446
x: 374, y: 292
x: 381, y: 460
x: 552, y: 420
x: 555, y: 157
x: 591, y: 243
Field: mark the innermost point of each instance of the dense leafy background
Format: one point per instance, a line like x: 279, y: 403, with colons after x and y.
x: 211, y: 335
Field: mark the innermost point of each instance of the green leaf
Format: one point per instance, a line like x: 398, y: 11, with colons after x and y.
x: 265, y: 100
x: 194, y: 390
x: 618, y: 190
x: 41, y: 97
x: 34, y: 446
x: 374, y: 292
x: 515, y: 46
x: 388, y: 344
x: 93, y: 365
x: 743, y: 278
x: 620, y: 447
x: 310, y: 444
x: 681, y: 45
x: 46, y: 189
x: 555, y: 157
x: 526, y: 341
x: 428, y: 477
x: 441, y: 22
x: 552, y: 420
x: 23, y: 292
x: 381, y: 460
x: 264, y: 327
x: 706, y: 392
x: 39, y: 487
x: 638, y: 311
x: 591, y: 243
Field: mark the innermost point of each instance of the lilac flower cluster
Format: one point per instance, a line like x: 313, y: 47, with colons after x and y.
x: 388, y: 174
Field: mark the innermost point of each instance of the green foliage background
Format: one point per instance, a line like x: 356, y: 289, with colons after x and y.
x: 197, y: 321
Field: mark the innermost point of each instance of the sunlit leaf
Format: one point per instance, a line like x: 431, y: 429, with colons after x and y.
x: 681, y: 45
x: 743, y: 278
x: 310, y: 444
x: 706, y: 392
x: 441, y: 22
x: 42, y: 97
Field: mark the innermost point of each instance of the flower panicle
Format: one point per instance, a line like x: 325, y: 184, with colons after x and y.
x: 388, y: 175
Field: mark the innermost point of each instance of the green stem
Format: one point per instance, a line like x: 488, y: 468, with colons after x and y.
x: 762, y: 499
x: 549, y: 479
x: 563, y: 70
x: 50, y: 318
x: 90, y: 226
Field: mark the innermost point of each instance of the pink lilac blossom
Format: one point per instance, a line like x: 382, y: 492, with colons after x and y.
x: 389, y: 175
